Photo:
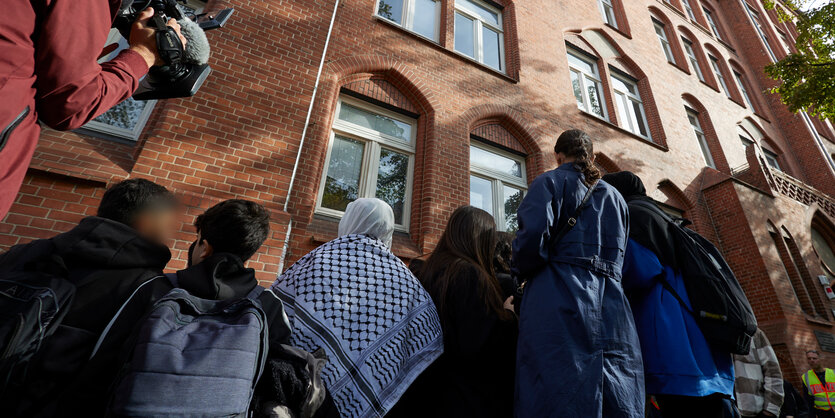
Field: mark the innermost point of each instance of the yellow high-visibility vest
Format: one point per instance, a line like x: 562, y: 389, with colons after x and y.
x: 823, y: 392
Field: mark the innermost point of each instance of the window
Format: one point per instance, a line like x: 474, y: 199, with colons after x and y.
x: 629, y: 105
x: 755, y: 17
x: 478, y: 33
x: 419, y: 16
x: 585, y: 79
x: 700, y: 136
x: 689, y: 9
x: 371, y: 154
x: 771, y: 159
x: 825, y: 252
x: 660, y: 30
x: 784, y: 39
x: 770, y: 156
x: 714, y: 62
x: 801, y: 292
x: 744, y: 90
x: 691, y: 55
x: 712, y: 23
x: 746, y: 142
x: 497, y: 184
x: 607, y: 8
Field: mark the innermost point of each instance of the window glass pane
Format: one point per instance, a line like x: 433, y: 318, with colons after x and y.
x: 491, y: 48
x: 343, y: 179
x: 512, y: 199
x: 391, y: 10
x: 379, y: 123
x: 481, y: 193
x: 581, y: 64
x: 825, y: 252
x: 771, y: 158
x: 638, y: 113
x: 578, y: 88
x: 595, y: 105
x: 424, y: 19
x: 464, y: 42
x: 620, y: 101
x: 621, y: 85
x: 124, y: 115
x: 391, y: 181
x: 491, y: 161
x: 484, y: 13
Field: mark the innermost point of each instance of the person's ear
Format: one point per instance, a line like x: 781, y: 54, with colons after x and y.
x: 206, y: 249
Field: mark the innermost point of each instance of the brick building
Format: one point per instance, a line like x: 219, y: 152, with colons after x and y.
x: 431, y: 104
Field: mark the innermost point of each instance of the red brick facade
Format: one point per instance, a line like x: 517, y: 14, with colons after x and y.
x: 240, y: 135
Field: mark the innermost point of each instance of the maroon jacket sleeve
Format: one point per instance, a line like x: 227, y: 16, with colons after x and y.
x: 72, y: 88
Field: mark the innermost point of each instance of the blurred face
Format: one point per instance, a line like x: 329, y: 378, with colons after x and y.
x: 814, y: 360
x: 199, y: 251
x: 158, y: 225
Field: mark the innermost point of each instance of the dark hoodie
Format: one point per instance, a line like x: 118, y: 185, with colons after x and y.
x: 223, y: 276
x: 107, y: 261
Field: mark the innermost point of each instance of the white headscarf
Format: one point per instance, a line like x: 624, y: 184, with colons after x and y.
x: 368, y: 216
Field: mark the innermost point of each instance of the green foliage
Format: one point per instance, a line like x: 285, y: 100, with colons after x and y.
x: 807, y: 78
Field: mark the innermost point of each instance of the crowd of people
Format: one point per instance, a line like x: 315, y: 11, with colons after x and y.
x: 582, y: 313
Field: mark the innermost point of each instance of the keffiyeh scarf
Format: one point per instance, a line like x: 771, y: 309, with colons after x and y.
x: 356, y: 300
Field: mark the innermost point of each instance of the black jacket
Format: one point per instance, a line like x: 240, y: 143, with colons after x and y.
x: 474, y: 377
x: 107, y: 261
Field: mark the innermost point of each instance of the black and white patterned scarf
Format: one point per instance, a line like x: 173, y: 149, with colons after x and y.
x: 361, y: 304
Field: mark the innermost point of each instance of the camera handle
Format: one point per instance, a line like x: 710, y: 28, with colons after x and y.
x: 169, y: 46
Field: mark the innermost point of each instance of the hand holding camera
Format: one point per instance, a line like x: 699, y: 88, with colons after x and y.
x: 143, y: 37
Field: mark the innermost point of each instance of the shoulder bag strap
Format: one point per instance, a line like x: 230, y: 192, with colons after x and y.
x: 572, y: 221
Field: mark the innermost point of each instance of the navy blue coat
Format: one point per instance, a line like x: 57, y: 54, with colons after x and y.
x: 578, y: 353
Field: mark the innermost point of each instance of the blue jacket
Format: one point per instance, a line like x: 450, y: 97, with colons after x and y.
x: 578, y: 353
x: 677, y: 358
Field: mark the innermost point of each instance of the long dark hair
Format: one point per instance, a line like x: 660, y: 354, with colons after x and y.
x: 469, y: 241
x: 577, y: 144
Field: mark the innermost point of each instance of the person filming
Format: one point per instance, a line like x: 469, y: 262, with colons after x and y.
x: 49, y: 72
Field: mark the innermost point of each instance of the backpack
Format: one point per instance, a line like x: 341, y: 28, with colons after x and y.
x: 33, y: 302
x: 193, y: 357
x: 719, y: 305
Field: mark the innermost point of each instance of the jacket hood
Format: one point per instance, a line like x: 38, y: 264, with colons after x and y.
x: 219, y: 277
x: 104, y: 243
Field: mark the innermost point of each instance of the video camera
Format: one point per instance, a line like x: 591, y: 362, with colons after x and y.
x: 185, y: 68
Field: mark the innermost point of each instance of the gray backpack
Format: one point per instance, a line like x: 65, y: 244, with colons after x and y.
x: 194, y: 357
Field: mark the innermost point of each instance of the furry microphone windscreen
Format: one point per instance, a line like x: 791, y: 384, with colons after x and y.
x: 197, y: 47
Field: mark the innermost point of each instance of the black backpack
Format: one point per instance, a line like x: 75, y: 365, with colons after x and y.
x: 33, y: 302
x: 718, y: 303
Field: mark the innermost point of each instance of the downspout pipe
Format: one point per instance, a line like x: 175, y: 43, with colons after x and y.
x: 301, y: 141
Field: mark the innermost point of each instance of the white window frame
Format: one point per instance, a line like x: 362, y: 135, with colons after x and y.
x: 629, y: 122
x: 373, y: 142
x: 717, y: 70
x: 700, y: 136
x: 585, y: 78
x: 498, y: 179
x: 93, y: 127
x: 744, y: 90
x: 478, y: 39
x: 712, y: 23
x: 607, y: 9
x: 661, y: 33
x: 755, y: 18
x: 408, y: 18
x: 689, y: 49
x: 689, y: 9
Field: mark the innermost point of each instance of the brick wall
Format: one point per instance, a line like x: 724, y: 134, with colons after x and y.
x: 239, y: 137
